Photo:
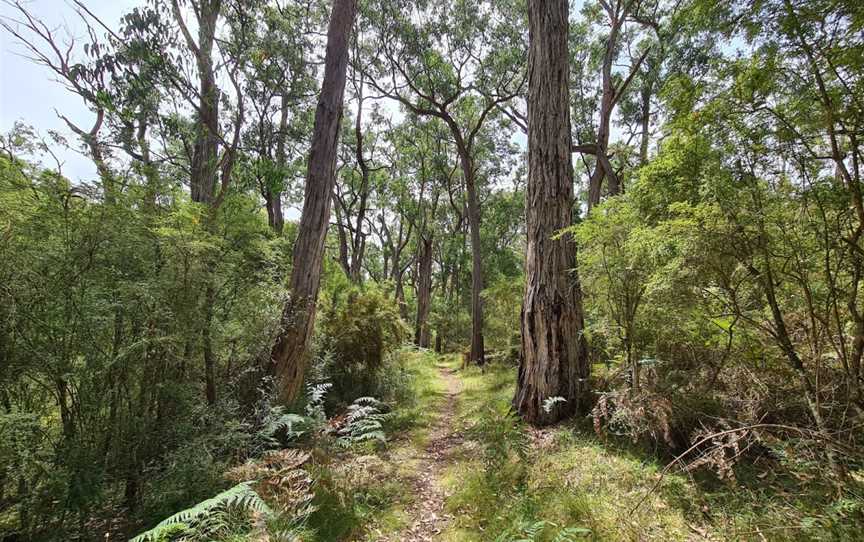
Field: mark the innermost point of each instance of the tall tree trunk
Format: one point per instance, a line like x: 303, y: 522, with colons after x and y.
x: 424, y: 293
x: 207, y: 341
x: 342, y: 235
x: 358, y: 242
x: 273, y: 195
x: 398, y: 278
x: 554, y: 352
x: 204, y: 167
x: 601, y: 171
x: 205, y: 151
x: 149, y: 169
x: 647, y: 88
x: 477, y: 354
x: 290, y: 351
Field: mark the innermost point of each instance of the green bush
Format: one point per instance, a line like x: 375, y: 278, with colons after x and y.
x: 358, y: 328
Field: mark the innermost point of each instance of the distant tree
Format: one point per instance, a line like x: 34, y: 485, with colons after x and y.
x: 439, y: 60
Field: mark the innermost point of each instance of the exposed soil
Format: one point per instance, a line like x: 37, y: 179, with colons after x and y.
x: 428, y: 518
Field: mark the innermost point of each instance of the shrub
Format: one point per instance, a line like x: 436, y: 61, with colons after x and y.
x: 503, y: 301
x: 358, y: 327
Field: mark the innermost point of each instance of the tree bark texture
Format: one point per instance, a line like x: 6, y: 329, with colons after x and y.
x: 477, y: 354
x: 205, y: 152
x: 554, y: 361
x: 290, y: 351
x: 424, y: 293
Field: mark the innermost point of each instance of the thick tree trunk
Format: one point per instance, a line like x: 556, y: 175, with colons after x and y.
x: 424, y: 293
x: 554, y: 352
x: 290, y: 351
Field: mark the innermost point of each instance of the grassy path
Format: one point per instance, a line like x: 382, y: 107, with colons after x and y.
x: 426, y: 439
x: 427, y: 516
x: 435, y: 482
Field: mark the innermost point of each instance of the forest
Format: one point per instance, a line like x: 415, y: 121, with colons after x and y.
x: 456, y: 270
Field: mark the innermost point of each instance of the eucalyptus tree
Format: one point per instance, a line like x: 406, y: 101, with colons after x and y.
x: 279, y: 83
x: 365, y: 148
x: 116, y: 78
x: 459, y: 62
x: 289, y: 355
x: 623, y: 23
x: 393, y: 225
x: 425, y: 148
x: 211, y: 141
x: 554, y: 362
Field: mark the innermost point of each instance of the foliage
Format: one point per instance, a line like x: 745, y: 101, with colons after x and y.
x: 364, y: 422
x: 358, y: 332
x: 504, y: 441
x: 503, y: 300
x: 542, y: 530
x: 208, y: 517
x: 723, y: 284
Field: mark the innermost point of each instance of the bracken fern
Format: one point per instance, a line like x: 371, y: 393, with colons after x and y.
x: 209, y: 514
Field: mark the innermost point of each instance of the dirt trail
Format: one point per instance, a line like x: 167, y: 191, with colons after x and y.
x: 428, y: 518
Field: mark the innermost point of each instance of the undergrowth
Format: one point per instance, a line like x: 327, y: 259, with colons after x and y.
x: 365, y: 487
x: 569, y: 484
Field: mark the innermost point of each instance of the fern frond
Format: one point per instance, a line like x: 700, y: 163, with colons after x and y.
x: 570, y: 534
x: 241, y: 496
x: 287, y: 422
x: 364, y: 421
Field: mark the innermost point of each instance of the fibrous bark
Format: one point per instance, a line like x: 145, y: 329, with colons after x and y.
x: 554, y: 361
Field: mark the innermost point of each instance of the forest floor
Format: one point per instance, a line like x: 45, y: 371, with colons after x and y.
x: 434, y: 480
x: 427, y: 517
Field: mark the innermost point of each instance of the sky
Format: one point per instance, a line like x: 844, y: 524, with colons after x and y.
x: 29, y: 92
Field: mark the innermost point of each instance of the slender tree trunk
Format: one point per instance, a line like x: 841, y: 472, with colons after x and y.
x: 273, y: 196
x: 477, y: 354
x: 358, y: 242
x: 554, y: 352
x: 290, y: 351
x: 342, y: 234
x: 149, y: 169
x: 647, y: 88
x: 424, y: 293
x: 398, y: 279
x: 63, y: 400
x: 204, y: 167
x: 609, y: 95
x: 207, y: 342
